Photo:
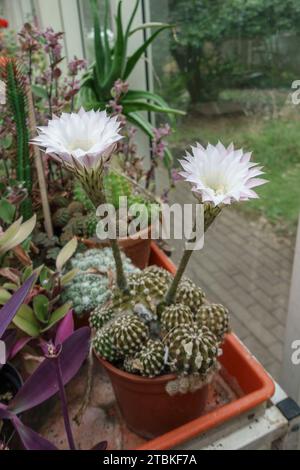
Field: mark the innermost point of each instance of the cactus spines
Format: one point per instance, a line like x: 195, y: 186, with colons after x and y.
x: 192, y: 349
x: 103, y: 344
x: 101, y: 315
x: 189, y: 294
x: 146, y: 288
x: 215, y: 317
x: 91, y: 225
x: 149, y: 361
x: 129, y: 333
x: 175, y: 315
x: 15, y: 80
x: 60, y: 201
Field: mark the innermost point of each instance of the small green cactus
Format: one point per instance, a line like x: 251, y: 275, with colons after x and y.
x: 91, y: 286
x: 75, y: 207
x: 215, y: 317
x: 91, y: 225
x: 129, y: 333
x: 146, y: 288
x: 192, y: 349
x: 101, y: 315
x: 149, y: 361
x: 175, y: 315
x: 190, y: 295
x: 103, y: 344
x: 60, y: 201
x: 61, y: 217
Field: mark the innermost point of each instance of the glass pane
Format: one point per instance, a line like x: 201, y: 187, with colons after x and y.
x: 87, y: 25
x: 234, y: 80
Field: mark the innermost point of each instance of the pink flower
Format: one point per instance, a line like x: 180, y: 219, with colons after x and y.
x: 76, y: 65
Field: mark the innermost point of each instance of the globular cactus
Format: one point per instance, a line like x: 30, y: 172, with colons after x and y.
x: 175, y: 315
x: 101, y: 315
x: 91, y: 286
x: 129, y: 333
x: 91, y: 225
x: 149, y: 361
x: 190, y: 295
x: 191, y: 349
x: 75, y: 207
x: 61, y: 217
x: 60, y: 201
x: 215, y: 317
x: 104, y: 345
x: 76, y: 226
x: 146, y: 288
x: 116, y: 186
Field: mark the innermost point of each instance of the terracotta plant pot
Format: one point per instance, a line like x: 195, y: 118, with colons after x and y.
x: 146, y: 406
x: 137, y: 248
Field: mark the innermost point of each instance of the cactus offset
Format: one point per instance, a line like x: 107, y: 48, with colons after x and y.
x: 100, y: 316
x: 103, y: 344
x: 149, y: 361
x: 192, y: 349
x: 190, y: 295
x: 215, y: 317
x: 75, y: 207
x: 61, y: 217
x: 175, y: 315
x: 146, y: 288
x: 129, y: 333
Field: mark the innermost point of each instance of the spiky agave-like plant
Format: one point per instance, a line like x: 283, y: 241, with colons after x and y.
x: 17, y: 100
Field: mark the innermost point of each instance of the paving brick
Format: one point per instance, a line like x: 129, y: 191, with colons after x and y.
x: 274, y: 370
x: 279, y: 332
x: 263, y: 316
x: 238, y: 328
x: 241, y: 295
x: 258, y: 350
x: 261, y: 333
x: 264, y: 299
x: 277, y: 350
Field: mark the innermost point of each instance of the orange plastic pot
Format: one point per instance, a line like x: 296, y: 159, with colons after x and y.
x: 147, y: 408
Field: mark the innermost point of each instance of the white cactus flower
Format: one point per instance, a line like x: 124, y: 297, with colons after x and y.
x: 221, y: 175
x: 84, y: 139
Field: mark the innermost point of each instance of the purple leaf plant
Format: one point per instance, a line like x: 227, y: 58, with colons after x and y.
x: 63, y: 358
x: 8, y: 312
x: 67, y: 357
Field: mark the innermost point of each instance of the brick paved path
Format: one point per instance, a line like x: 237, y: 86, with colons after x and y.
x: 247, y: 269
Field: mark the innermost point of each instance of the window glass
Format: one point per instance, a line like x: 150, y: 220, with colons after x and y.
x: 232, y: 65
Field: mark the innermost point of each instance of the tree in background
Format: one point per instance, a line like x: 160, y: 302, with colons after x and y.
x: 202, y: 28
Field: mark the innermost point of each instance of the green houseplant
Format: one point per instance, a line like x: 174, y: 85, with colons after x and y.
x: 118, y: 188
x: 112, y: 64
